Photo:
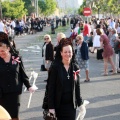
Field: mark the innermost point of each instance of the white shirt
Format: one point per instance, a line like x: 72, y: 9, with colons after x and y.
x: 13, y: 24
x: 118, y: 30
x: 76, y: 29
x: 1, y: 27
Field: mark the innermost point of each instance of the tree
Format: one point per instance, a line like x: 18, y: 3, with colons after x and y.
x: 29, y: 7
x: 47, y: 7
x: 80, y: 10
x: 107, y: 6
x: 13, y: 9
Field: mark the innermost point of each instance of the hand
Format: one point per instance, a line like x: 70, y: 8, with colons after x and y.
x: 82, y: 108
x: 46, y: 61
x: 32, y: 89
x: 52, y: 111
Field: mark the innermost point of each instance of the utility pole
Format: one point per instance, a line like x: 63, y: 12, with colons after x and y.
x: 37, y: 7
x: 0, y: 9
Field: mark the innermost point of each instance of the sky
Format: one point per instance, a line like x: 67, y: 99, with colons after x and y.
x: 80, y: 1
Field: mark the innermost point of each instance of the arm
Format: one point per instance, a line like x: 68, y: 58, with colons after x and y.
x: 52, y: 88
x: 78, y: 94
x: 23, y: 77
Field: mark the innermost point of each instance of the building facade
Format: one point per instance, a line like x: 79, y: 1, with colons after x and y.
x: 64, y: 4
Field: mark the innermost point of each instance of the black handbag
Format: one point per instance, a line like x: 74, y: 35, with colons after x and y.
x: 49, y: 116
x: 43, y: 68
x: 117, y: 47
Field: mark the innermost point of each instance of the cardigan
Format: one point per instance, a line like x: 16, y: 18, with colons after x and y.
x: 49, y: 52
x: 55, y: 86
x: 84, y: 51
x: 12, y: 76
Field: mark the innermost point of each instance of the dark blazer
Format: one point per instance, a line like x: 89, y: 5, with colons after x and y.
x: 84, y: 51
x: 49, y: 53
x: 12, y: 77
x: 55, y: 86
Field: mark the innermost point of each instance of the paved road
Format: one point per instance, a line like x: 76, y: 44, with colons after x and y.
x: 103, y: 92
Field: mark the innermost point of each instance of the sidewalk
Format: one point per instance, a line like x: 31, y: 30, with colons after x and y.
x: 103, y: 92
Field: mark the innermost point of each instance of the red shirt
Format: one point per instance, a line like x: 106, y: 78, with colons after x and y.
x: 86, y: 30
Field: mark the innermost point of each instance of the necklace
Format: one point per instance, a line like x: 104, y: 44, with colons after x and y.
x: 68, y: 76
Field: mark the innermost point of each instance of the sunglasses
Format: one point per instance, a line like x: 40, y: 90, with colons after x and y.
x: 46, y: 38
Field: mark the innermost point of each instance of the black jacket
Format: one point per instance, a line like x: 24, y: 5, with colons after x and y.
x: 55, y: 86
x: 12, y: 77
x: 49, y: 53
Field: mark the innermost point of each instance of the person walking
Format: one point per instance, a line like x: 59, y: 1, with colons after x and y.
x: 64, y: 85
x: 47, y: 52
x: 107, y: 52
x: 82, y: 56
x: 12, y: 77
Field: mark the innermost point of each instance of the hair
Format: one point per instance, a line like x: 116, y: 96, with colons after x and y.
x: 114, y: 30
x: 91, y: 33
x: 99, y: 31
x: 62, y: 35
x: 5, y: 41
x: 79, y: 36
x: 12, y: 40
x: 47, y: 35
x: 64, y: 42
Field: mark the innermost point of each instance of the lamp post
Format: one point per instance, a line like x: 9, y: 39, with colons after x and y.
x: 0, y: 9
x: 37, y: 7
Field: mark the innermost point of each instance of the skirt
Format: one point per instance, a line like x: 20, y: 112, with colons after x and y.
x: 11, y: 102
x: 66, y: 112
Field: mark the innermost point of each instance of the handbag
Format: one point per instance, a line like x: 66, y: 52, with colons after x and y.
x: 43, y: 68
x: 50, y: 116
x: 117, y: 46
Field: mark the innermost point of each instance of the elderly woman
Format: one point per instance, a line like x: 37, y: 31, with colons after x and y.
x: 59, y: 37
x: 82, y: 56
x: 47, y: 51
x: 107, y: 52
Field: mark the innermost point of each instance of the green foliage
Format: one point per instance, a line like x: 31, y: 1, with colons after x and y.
x: 47, y: 7
x: 107, y: 6
x: 80, y: 10
x: 27, y: 3
x: 13, y: 9
x: 29, y: 7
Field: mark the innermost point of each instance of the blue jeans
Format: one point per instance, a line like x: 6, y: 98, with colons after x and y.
x: 85, y: 38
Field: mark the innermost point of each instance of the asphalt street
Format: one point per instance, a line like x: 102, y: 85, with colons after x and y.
x: 103, y: 92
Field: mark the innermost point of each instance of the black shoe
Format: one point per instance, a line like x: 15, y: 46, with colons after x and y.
x: 87, y: 80
x: 110, y: 70
x: 91, y: 51
x: 45, y: 80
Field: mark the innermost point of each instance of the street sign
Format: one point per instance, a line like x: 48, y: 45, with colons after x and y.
x: 87, y: 11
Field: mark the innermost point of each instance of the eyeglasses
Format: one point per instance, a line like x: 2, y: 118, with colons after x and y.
x: 46, y: 38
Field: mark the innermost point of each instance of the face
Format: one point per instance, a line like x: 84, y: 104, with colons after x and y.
x: 79, y: 40
x: 58, y: 38
x: 67, y: 53
x: 4, y: 51
x: 47, y: 39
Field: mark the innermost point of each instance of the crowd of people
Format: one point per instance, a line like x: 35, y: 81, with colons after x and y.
x: 63, y: 62
x: 103, y: 36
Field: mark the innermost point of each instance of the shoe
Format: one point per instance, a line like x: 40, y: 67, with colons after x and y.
x: 87, y: 80
x: 118, y: 71
x: 91, y: 51
x: 104, y: 74
x: 113, y: 73
x: 110, y: 70
x: 45, y: 80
